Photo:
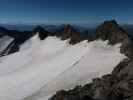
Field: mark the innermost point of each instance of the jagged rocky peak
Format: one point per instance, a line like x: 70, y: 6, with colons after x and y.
x: 68, y: 28
x: 42, y: 33
x: 69, y: 32
x: 117, y: 85
x: 110, y: 30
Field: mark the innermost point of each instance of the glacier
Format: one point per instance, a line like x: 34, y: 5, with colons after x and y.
x: 41, y: 68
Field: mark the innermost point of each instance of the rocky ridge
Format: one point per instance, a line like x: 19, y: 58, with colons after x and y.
x: 117, y: 85
x: 66, y: 32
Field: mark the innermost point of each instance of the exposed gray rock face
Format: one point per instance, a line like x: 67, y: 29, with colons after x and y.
x: 66, y: 32
x: 117, y: 85
x: 111, y: 31
x: 4, y: 42
x: 41, y: 32
x: 19, y: 37
x: 69, y: 32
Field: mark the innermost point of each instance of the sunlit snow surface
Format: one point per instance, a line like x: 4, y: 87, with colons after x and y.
x: 43, y: 67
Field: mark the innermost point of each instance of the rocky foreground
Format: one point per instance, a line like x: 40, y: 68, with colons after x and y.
x: 117, y: 85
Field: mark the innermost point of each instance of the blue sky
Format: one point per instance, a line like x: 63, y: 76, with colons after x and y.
x: 65, y: 11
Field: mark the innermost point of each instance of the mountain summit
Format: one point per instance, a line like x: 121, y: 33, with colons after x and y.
x: 69, y: 32
x: 111, y: 31
x: 41, y: 32
x: 116, y: 85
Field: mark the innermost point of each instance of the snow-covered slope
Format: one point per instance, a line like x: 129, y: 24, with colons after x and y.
x: 43, y: 67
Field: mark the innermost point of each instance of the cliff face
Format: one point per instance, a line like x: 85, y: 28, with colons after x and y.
x: 111, y: 31
x: 69, y: 32
x: 117, y: 85
x: 41, y: 32
x: 64, y: 32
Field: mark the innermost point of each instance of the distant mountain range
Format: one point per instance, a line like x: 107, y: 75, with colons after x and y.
x: 29, y: 27
x: 22, y: 32
x: 54, y: 28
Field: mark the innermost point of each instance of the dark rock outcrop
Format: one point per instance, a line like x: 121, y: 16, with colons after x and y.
x: 86, y: 35
x: 19, y: 38
x: 64, y: 32
x: 41, y: 32
x: 117, y: 85
x: 105, y: 88
x: 68, y: 32
x: 78, y: 93
x: 111, y: 31
x: 3, y: 31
